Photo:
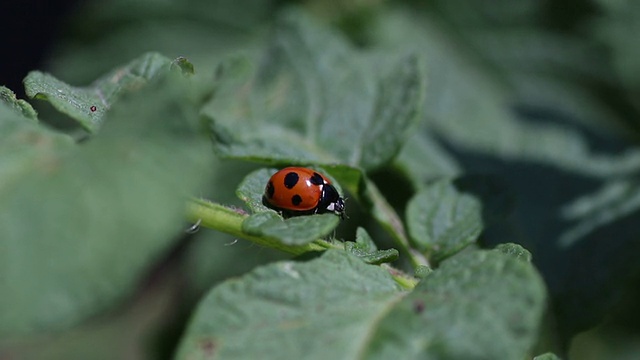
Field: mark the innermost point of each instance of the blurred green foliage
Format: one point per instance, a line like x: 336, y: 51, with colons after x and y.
x: 541, y: 96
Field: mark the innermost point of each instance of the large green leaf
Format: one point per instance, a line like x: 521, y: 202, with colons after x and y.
x: 80, y: 224
x: 478, y: 305
x: 87, y: 105
x: 314, y: 100
x: 482, y: 304
x: 422, y: 160
x: 26, y: 147
x: 292, y: 310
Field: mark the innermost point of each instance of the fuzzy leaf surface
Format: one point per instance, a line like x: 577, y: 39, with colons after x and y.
x: 314, y: 99
x: 79, y: 224
x: 88, y: 105
x: 477, y: 305
x: 481, y: 304
x: 333, y: 299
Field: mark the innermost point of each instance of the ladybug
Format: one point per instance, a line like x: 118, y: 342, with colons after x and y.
x: 302, y: 191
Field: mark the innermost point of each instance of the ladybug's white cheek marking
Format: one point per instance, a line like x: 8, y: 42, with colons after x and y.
x: 331, y: 207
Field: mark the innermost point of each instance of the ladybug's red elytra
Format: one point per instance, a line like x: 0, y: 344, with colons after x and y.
x: 302, y: 191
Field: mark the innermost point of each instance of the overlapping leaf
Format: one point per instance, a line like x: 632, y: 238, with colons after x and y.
x: 87, y: 105
x: 479, y: 304
x: 483, y: 304
x: 313, y: 99
x: 79, y: 224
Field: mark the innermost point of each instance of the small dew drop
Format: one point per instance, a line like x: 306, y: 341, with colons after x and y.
x: 93, y: 108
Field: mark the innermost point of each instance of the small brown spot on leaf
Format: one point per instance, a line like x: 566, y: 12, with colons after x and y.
x: 208, y: 347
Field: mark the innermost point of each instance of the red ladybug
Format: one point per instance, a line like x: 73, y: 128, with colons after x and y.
x: 302, y: 191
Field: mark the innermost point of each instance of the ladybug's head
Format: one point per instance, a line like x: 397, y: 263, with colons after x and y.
x: 338, y: 207
x: 331, y: 201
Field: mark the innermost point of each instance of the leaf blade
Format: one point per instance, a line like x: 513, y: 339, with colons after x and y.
x: 64, y: 224
x: 335, y: 284
x: 461, y: 311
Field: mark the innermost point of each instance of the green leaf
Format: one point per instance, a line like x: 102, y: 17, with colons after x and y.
x: 397, y: 108
x: 80, y: 224
x: 441, y: 220
x: 251, y: 189
x: 477, y: 305
x: 590, y: 213
x: 366, y: 249
x: 386, y: 216
x: 615, y: 28
x: 448, y: 215
x: 184, y: 65
x: 88, y: 105
x: 297, y: 230
x: 423, y: 160
x: 515, y: 250
x: 292, y: 310
x: 470, y: 99
x: 423, y: 271
x: 512, y: 96
x: 547, y: 356
x: 364, y: 241
x: 376, y: 257
x: 481, y: 304
x: 25, y: 147
x: 22, y: 107
x: 314, y: 100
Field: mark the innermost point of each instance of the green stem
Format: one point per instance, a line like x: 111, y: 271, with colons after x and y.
x: 228, y: 220
x: 405, y: 281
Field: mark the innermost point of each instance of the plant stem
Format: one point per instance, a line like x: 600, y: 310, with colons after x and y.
x: 405, y: 281
x: 229, y: 220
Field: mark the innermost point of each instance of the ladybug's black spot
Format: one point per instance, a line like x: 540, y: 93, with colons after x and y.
x: 290, y: 180
x: 270, y: 190
x: 317, y: 179
x: 296, y: 200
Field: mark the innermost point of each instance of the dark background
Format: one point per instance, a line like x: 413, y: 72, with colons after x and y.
x: 29, y: 28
